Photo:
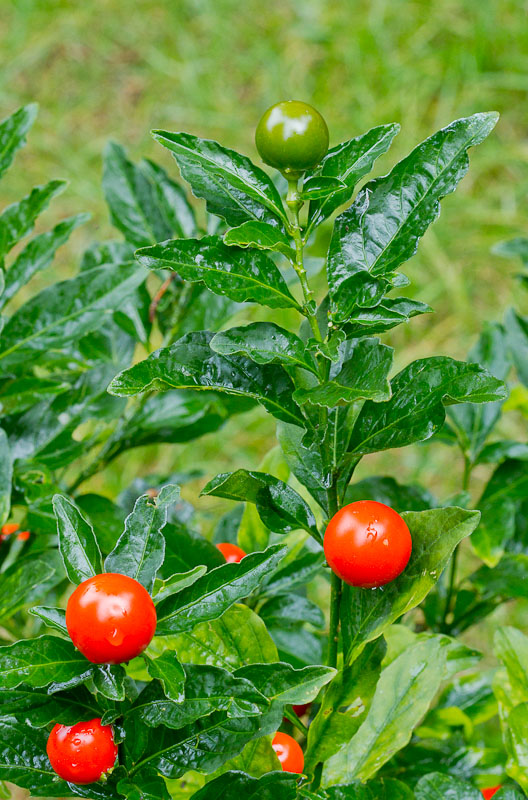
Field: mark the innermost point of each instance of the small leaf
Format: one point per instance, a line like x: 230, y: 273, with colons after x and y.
x: 6, y: 476
x: 145, y: 785
x: 13, y: 132
x: 318, y: 187
x: 19, y: 584
x: 18, y: 219
x: 177, y: 582
x: 265, y: 343
x: 280, y: 507
x: 233, y: 187
x: 416, y: 409
x: 168, y: 670
x: 191, y: 364
x: 215, y: 592
x: 140, y: 550
x: 54, y: 618
x: 261, y: 235
x: 77, y: 543
x: 240, y: 274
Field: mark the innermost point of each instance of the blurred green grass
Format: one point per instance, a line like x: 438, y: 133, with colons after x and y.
x: 111, y: 69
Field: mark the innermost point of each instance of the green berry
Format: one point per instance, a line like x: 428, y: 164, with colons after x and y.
x: 292, y: 137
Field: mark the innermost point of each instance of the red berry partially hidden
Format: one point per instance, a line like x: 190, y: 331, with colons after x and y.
x: 111, y: 618
x: 288, y: 752
x: 302, y: 709
x: 487, y: 793
x: 9, y: 528
x: 23, y: 536
x: 82, y: 753
x: 367, y: 544
x: 231, y: 552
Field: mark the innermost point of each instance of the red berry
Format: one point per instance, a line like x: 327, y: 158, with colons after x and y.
x: 231, y: 552
x: 487, y: 793
x: 367, y: 544
x: 9, y: 528
x: 288, y: 752
x: 23, y: 536
x: 111, y: 618
x: 82, y: 753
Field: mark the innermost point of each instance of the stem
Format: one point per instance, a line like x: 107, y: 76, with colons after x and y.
x: 468, y: 466
x: 295, y: 721
x: 335, y: 605
x: 294, y: 203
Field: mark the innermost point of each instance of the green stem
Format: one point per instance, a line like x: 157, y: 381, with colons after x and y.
x: 468, y: 466
x: 335, y: 605
x: 295, y: 721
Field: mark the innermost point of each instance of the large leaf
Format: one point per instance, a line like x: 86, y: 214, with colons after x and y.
x: 280, y: 507
x: 444, y: 787
x: 350, y: 161
x: 265, y: 343
x: 305, y: 462
x: 46, y: 661
x: 261, y: 235
x: 37, y: 708
x: 387, y: 490
x: 77, y: 543
x: 408, y: 200
x: 236, y: 785
x: 435, y: 534
x: 416, y: 409
x: 382, y: 789
x: 240, y: 274
x: 13, y: 132
x: 215, y: 592
x: 20, y: 584
x: 191, y: 364
x: 403, y: 694
x: 233, y: 187
x: 140, y: 550
x: 172, y: 200
x: 38, y: 255
x: 6, y: 475
x: 360, y: 374
x: 66, y: 311
x: 23, y: 760
x: 18, y: 219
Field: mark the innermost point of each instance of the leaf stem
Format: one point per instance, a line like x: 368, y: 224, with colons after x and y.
x: 295, y: 721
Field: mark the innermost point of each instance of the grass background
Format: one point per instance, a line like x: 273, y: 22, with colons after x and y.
x: 111, y: 69
x: 114, y: 70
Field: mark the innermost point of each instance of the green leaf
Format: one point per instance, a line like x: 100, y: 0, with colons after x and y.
x: 261, y: 235
x: 64, y: 312
x: 344, y: 706
x: 177, y: 582
x: 280, y: 507
x: 170, y: 673
x: 403, y: 694
x: 240, y: 274
x: 6, y: 476
x: 396, y: 495
x: 23, y: 393
x: 108, y: 680
x: 77, y: 543
x: 515, y: 735
x: 257, y: 759
x: 191, y: 364
x: 361, y: 373
x: 207, y: 690
x: 236, y: 785
x: 54, y: 618
x: 13, y: 132
x: 508, y: 579
x: 37, y: 255
x: 234, y: 188
x: 513, y: 248
x: 23, y: 760
x: 18, y: 219
x: 443, y: 787
x: 383, y: 789
x: 408, y: 199
x: 238, y: 638
x: 435, y: 534
x: 46, y: 661
x: 416, y: 409
x: 19, y: 584
x: 305, y: 462
x: 172, y: 200
x: 139, y: 552
x: 349, y: 162
x: 511, y: 648
x: 517, y: 332
x: 385, y: 316
x: 37, y: 708
x: 186, y: 549
x: 215, y: 592
x: 286, y: 611
x: 146, y: 785
x: 265, y: 343
x: 317, y: 187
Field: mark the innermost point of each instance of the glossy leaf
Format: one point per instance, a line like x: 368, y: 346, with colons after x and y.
x: 382, y: 789
x: 234, y: 188
x: 261, y: 235
x: 191, y: 364
x: 361, y: 373
x: 66, y: 311
x: 20, y: 583
x: 284, y: 685
x: 77, y: 543
x: 257, y: 759
x: 22, y: 747
x: 396, y: 495
x: 146, y: 785
x: 140, y: 550
x: 289, y: 610
x: 240, y: 274
x: 18, y: 219
x: 170, y: 673
x: 235, y: 785
x: 6, y: 476
x: 265, y: 343
x: 215, y: 592
x: 435, y: 534
x: 177, y: 582
x: 207, y: 690
x: 305, y: 462
x: 172, y: 200
x: 390, y: 313
x: 280, y: 507
x: 515, y: 735
x: 13, y: 132
x: 317, y: 187
x: 408, y: 199
x: 37, y: 708
x: 349, y: 162
x: 416, y: 409
x: 444, y: 787
x: 45, y: 661
x: 54, y: 618
x: 23, y: 393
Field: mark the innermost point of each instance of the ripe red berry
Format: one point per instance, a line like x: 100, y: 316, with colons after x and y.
x: 23, y: 536
x: 82, y: 753
x: 367, y: 544
x: 111, y: 618
x: 231, y: 552
x: 288, y: 752
x: 9, y: 528
x: 488, y: 793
